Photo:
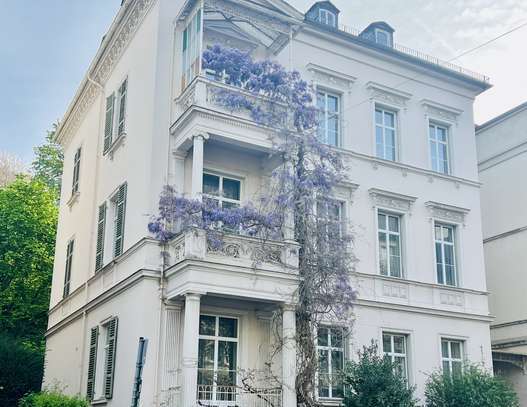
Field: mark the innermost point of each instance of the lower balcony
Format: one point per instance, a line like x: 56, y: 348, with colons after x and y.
x: 234, y: 396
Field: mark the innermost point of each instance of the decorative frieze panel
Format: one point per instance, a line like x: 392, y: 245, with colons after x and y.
x: 451, y: 298
x: 330, y: 78
x: 249, y: 251
x: 447, y: 212
x: 440, y: 111
x: 395, y: 291
x: 391, y: 200
x: 388, y: 95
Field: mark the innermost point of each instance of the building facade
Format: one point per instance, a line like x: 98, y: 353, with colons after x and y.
x: 145, y: 116
x: 501, y: 157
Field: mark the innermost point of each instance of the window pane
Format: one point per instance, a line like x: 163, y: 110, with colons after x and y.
x: 400, y: 366
x: 228, y: 327
x: 211, y: 184
x: 444, y: 349
x: 394, y: 224
x: 441, y: 134
x: 448, y: 234
x: 227, y: 355
x: 433, y: 156
x: 206, y: 354
x: 207, y: 325
x: 383, y: 254
x: 333, y: 104
x: 323, y: 337
x: 389, y: 119
x: 455, y: 348
x: 323, y: 362
x: 231, y: 189
x: 398, y: 344
x: 449, y: 254
x: 336, y: 337
x: 438, y: 232
x: 382, y: 221
x: 431, y: 131
x: 387, y: 343
x: 336, y: 361
x: 378, y: 116
x: 457, y: 368
x: 446, y: 367
x: 450, y: 275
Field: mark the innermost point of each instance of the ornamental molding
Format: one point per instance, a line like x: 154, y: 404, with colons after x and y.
x: 329, y: 77
x: 395, y: 291
x: 440, y: 111
x: 451, y: 298
x: 391, y: 200
x: 119, y: 39
x: 387, y: 94
x: 254, y: 252
x: 447, y: 212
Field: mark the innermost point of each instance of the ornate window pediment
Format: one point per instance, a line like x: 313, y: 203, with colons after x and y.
x: 391, y: 200
x: 329, y: 77
x: 388, y: 95
x: 446, y: 212
x: 439, y: 111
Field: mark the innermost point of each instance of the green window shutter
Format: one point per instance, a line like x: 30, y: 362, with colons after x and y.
x: 109, y: 373
x: 122, y: 107
x: 108, y: 126
x: 101, y: 224
x: 76, y: 171
x: 120, y: 209
x: 185, y: 39
x: 67, y: 271
x: 92, y: 363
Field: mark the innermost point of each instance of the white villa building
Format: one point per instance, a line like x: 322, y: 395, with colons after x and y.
x: 145, y: 116
x: 501, y: 144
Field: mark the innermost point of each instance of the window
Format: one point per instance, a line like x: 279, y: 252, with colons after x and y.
x: 445, y: 254
x: 222, y: 191
x: 452, y: 356
x: 76, y: 171
x: 330, y: 349
x: 217, y: 358
x: 438, y: 137
x: 67, y: 271
x: 394, y: 348
x: 330, y: 217
x: 103, y: 346
x: 191, y: 50
x: 327, y: 17
x: 328, y: 105
x: 389, y: 231
x: 119, y: 210
x: 101, y: 229
x: 385, y: 133
x: 114, y: 126
x: 382, y: 37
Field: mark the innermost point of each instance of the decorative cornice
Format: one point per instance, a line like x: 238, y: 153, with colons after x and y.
x: 392, y: 200
x: 112, y: 48
x: 440, y: 111
x: 387, y: 94
x: 330, y: 77
x: 447, y: 212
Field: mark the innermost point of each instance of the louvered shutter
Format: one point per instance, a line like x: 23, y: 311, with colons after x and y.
x: 101, y: 225
x: 110, y: 358
x: 120, y: 208
x: 67, y: 271
x: 122, y: 107
x: 108, y: 126
x: 76, y: 171
x: 92, y: 362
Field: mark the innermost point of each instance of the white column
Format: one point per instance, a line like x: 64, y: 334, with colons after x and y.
x: 190, y: 349
x: 177, y: 173
x: 289, y: 356
x: 197, y: 165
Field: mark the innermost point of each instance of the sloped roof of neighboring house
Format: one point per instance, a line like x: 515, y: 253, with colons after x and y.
x: 504, y: 116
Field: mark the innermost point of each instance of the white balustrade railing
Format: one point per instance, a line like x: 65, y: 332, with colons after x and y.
x: 233, y: 396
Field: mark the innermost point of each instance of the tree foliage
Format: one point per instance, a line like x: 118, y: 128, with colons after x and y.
x: 476, y: 387
x: 373, y: 381
x: 28, y: 218
x: 10, y: 167
x: 48, y: 162
x: 299, y: 203
x: 52, y: 399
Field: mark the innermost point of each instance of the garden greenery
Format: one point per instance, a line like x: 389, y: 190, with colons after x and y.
x: 51, y: 399
x: 300, y: 203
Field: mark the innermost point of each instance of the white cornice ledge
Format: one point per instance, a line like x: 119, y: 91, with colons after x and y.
x: 392, y: 200
x: 330, y: 76
x: 447, y: 212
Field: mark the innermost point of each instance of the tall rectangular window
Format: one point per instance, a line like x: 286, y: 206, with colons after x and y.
x: 389, y: 235
x: 115, y: 116
x: 328, y: 105
x: 222, y: 191
x: 67, y: 270
x: 394, y: 347
x: 330, y: 350
x: 452, y: 356
x: 445, y: 249
x: 119, y: 211
x: 101, y: 230
x: 439, y: 154
x: 76, y: 171
x: 386, y: 133
x: 191, y: 49
x: 217, y: 358
x: 330, y: 220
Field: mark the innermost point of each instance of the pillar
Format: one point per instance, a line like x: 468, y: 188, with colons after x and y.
x: 190, y: 349
x: 289, y: 356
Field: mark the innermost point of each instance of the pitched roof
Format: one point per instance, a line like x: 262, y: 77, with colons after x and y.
x: 515, y: 110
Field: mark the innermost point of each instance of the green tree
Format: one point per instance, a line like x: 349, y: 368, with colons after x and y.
x: 373, y: 381
x: 51, y: 399
x: 28, y: 217
x: 48, y: 162
x: 476, y: 387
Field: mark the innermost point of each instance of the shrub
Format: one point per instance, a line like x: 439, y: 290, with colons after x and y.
x: 51, y: 399
x: 476, y: 387
x: 373, y: 381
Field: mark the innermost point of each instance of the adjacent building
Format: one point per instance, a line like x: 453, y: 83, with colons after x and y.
x: 145, y: 116
x: 501, y: 144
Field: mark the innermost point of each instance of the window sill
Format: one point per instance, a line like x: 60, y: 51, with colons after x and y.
x: 99, y: 402
x: 73, y: 198
x: 326, y: 401
x: 118, y: 142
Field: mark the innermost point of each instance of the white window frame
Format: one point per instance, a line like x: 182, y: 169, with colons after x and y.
x: 444, y: 243
x: 388, y: 37
x: 325, y: 112
x: 395, y: 112
x: 327, y: 17
x: 102, y: 351
x: 447, y: 128
x: 340, y: 203
x: 392, y: 354
x: 192, y: 53
x: 329, y: 349
x: 387, y: 232
x: 449, y: 359
x: 220, y: 198
x: 216, y: 338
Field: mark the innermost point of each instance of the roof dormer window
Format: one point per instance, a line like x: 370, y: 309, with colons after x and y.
x: 382, y: 37
x: 327, y: 17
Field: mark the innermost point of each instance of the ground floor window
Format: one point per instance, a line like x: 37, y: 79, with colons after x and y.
x: 394, y: 347
x: 330, y: 348
x: 217, y: 358
x: 452, y: 356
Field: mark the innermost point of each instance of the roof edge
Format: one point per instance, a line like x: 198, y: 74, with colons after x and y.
x: 501, y: 117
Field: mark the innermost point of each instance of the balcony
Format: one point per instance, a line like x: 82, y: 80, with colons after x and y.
x: 233, y: 396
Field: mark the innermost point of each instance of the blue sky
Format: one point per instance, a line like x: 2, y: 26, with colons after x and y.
x: 47, y: 45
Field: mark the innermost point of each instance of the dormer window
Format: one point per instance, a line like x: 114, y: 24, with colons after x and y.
x: 382, y: 37
x: 380, y: 33
x: 327, y: 17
